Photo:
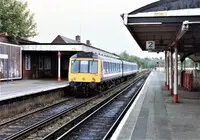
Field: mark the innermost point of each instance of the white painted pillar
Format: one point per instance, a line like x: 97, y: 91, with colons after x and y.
x: 59, y: 72
x: 171, y: 73
x: 176, y: 74
x: 167, y: 70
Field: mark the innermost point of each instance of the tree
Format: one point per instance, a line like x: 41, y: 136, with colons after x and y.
x: 188, y: 63
x: 142, y: 63
x: 16, y: 19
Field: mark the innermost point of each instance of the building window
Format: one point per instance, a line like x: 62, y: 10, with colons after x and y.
x: 27, y: 62
x: 40, y: 62
x: 47, y: 63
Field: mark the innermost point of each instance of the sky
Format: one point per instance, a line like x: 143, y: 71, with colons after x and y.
x: 96, y: 20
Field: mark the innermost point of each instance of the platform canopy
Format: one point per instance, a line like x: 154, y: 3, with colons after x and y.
x: 165, y: 22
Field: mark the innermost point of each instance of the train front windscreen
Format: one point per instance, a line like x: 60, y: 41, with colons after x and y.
x: 84, y: 66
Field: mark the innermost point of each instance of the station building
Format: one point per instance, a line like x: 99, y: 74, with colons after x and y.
x: 23, y: 59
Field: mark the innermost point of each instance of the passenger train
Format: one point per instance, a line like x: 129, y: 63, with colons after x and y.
x: 92, y: 72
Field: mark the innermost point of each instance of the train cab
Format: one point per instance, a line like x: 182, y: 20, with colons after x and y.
x: 84, y: 67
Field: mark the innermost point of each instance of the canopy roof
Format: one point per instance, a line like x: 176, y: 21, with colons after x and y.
x: 166, y: 22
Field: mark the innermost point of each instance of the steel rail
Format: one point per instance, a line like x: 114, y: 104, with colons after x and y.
x: 36, y: 126
x: 35, y: 111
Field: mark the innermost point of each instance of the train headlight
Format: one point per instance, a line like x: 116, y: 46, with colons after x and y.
x: 93, y: 79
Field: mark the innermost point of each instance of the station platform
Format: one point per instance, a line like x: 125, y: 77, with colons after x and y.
x: 154, y: 115
x: 18, y: 88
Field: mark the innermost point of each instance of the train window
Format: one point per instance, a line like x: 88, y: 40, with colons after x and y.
x: 117, y: 67
x: 75, y: 66
x: 93, y: 66
x: 109, y: 67
x: 84, y: 67
x: 104, y: 67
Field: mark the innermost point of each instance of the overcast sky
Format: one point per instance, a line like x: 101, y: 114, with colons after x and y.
x: 96, y: 20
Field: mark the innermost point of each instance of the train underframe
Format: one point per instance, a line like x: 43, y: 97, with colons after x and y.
x: 92, y: 88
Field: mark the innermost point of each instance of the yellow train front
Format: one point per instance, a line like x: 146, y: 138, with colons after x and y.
x: 84, y: 72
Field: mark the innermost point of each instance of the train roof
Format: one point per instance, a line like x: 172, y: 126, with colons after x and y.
x: 126, y: 62
x: 93, y: 55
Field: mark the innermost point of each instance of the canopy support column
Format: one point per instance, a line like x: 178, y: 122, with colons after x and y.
x: 166, y: 69
x: 171, y: 73
x: 59, y: 72
x: 176, y: 74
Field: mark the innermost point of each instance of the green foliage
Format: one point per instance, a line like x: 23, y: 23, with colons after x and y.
x: 189, y: 63
x: 143, y: 63
x: 16, y: 19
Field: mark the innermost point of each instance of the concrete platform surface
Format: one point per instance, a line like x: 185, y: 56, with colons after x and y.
x: 154, y: 116
x: 12, y: 89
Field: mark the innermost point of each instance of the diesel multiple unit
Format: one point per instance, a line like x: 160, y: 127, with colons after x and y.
x: 89, y: 71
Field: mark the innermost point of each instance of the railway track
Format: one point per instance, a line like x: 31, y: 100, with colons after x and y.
x: 33, y: 123
x: 21, y: 126
x: 100, y: 121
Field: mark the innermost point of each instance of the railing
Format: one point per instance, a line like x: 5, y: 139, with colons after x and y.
x: 188, y: 81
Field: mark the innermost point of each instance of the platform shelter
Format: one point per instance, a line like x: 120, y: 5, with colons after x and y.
x: 171, y: 27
